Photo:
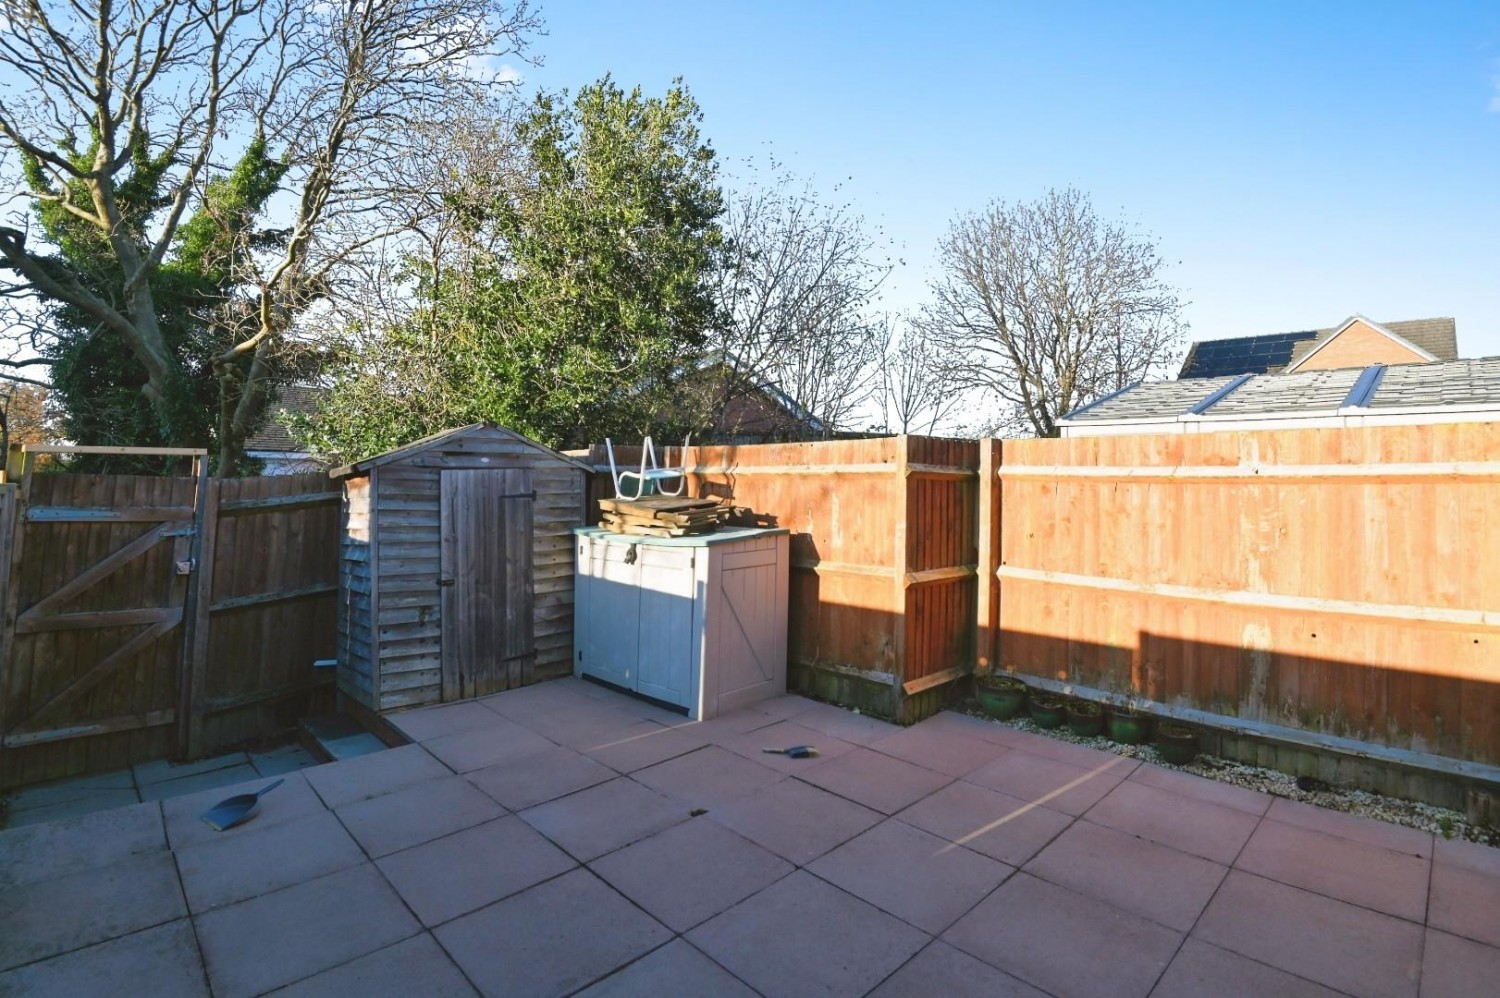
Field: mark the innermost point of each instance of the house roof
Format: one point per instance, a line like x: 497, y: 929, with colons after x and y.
x: 1470, y: 385
x: 446, y: 436
x: 273, y: 434
x: 1274, y: 352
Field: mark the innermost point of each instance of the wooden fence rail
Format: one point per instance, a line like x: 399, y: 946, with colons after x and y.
x: 151, y: 617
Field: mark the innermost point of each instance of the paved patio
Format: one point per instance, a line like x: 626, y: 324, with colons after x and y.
x: 561, y: 838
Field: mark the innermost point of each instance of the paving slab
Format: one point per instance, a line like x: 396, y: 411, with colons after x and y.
x: 425, y: 723
x: 415, y: 966
x: 1057, y: 785
x: 1201, y: 969
x: 161, y: 962
x: 726, y: 726
x: 467, y: 870
x: 162, y: 770
x: 877, y: 781
x: 690, y: 872
x: 710, y: 777
x: 502, y: 741
x: 942, y: 970
x: 249, y: 860
x: 802, y: 935
x: 282, y: 760
x: 56, y: 849
x: 1064, y: 942
x: 292, y: 800
x: 552, y: 939
x: 233, y: 775
x: 1453, y: 967
x: 1082, y: 756
x: 603, y: 818
x: 550, y: 774
x: 1337, y: 944
x: 51, y: 917
x: 785, y: 707
x: 795, y: 820
x: 911, y: 874
x: 1201, y: 788
x: 999, y: 826
x: 675, y: 969
x: 340, y: 783
x: 976, y: 727
x: 282, y: 937
x: 71, y: 789
x: 845, y: 724
x: 417, y: 814
x: 947, y: 752
x: 1129, y: 873
x: 1187, y: 823
x: 1465, y: 902
x: 644, y: 744
x: 583, y: 727
x: 1467, y: 856
x: 540, y: 698
x: 1393, y: 882
x: 752, y: 745
x: 103, y: 799
x: 1355, y: 827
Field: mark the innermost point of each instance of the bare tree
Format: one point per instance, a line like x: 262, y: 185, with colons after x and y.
x: 1044, y: 308
x: 343, y: 96
x: 918, y: 388
x: 798, y: 287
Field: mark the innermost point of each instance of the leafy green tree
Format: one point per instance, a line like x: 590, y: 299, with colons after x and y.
x: 591, y: 304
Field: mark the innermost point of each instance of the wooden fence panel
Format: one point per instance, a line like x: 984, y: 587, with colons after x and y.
x: 1341, y: 581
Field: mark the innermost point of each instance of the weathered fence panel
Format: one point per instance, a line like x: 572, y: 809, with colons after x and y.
x: 1341, y: 582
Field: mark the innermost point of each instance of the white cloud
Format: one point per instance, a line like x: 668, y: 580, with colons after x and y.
x: 510, y: 74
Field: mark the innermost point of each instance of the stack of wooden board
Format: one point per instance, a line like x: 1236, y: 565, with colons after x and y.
x: 662, y: 516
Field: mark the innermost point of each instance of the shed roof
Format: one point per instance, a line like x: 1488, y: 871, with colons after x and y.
x: 1273, y: 352
x: 1416, y: 388
x: 436, y: 440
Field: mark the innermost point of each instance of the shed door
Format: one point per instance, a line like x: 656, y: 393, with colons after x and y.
x: 486, y: 577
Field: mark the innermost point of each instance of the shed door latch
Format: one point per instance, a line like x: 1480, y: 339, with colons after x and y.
x: 445, y: 582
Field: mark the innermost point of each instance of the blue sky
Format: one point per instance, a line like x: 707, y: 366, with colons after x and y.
x: 1303, y: 162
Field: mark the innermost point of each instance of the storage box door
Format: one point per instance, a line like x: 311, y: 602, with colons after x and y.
x: 488, y: 642
x: 610, y: 606
x: 667, y: 597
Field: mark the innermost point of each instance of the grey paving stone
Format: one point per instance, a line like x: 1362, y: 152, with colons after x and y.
x: 583, y: 727
x: 1354, y: 827
x: 1458, y: 968
x: 1057, y: 785
x: 161, y: 962
x: 802, y: 935
x: 529, y: 944
x: 710, y: 777
x: 675, y: 969
x: 62, y: 791
x: 644, y: 744
x: 56, y: 849
x: 417, y: 814
x: 185, y: 785
x: 1064, y: 942
x: 249, y: 860
x: 103, y: 799
x: 41, y: 920
x: 1129, y: 873
x: 942, y: 970
x: 413, y: 967
x: 603, y: 818
x: 1346, y: 869
x: 943, y: 751
x: 539, y: 698
x: 467, y: 870
x: 1187, y: 823
x: 1000, y: 826
x: 690, y: 872
x: 162, y: 770
x: 424, y: 723
x: 795, y: 820
x: 911, y: 874
x: 845, y: 724
x: 877, y: 781
x: 282, y: 760
x: 340, y: 783
x: 1347, y: 948
x: 282, y: 937
x: 1201, y: 788
x: 539, y: 778
x: 501, y: 741
x: 785, y: 734
x: 1200, y: 969
x: 1465, y: 902
x: 292, y: 800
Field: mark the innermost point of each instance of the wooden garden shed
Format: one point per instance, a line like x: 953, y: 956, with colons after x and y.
x: 456, y: 567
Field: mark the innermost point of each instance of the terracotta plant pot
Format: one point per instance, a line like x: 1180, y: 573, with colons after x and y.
x: 1128, y: 727
x: 1002, y: 697
x: 1177, y: 744
x: 1085, y: 718
x: 1047, y: 710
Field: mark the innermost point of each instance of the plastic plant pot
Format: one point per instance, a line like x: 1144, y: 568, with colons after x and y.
x: 1085, y: 718
x: 1047, y: 710
x: 1177, y: 744
x: 1002, y: 697
x: 1128, y: 727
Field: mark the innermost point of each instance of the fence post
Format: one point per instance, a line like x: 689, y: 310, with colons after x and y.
x: 987, y: 624
x: 200, y: 598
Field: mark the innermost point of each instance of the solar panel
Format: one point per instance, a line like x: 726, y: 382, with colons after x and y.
x: 1243, y: 354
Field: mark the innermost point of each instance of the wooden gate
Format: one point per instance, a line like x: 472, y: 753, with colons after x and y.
x: 488, y: 637
x: 96, y: 606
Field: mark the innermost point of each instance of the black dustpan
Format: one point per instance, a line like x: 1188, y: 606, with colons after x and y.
x: 233, y: 810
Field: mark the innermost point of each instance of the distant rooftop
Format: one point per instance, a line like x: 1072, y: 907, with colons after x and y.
x: 1273, y: 352
x: 273, y: 434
